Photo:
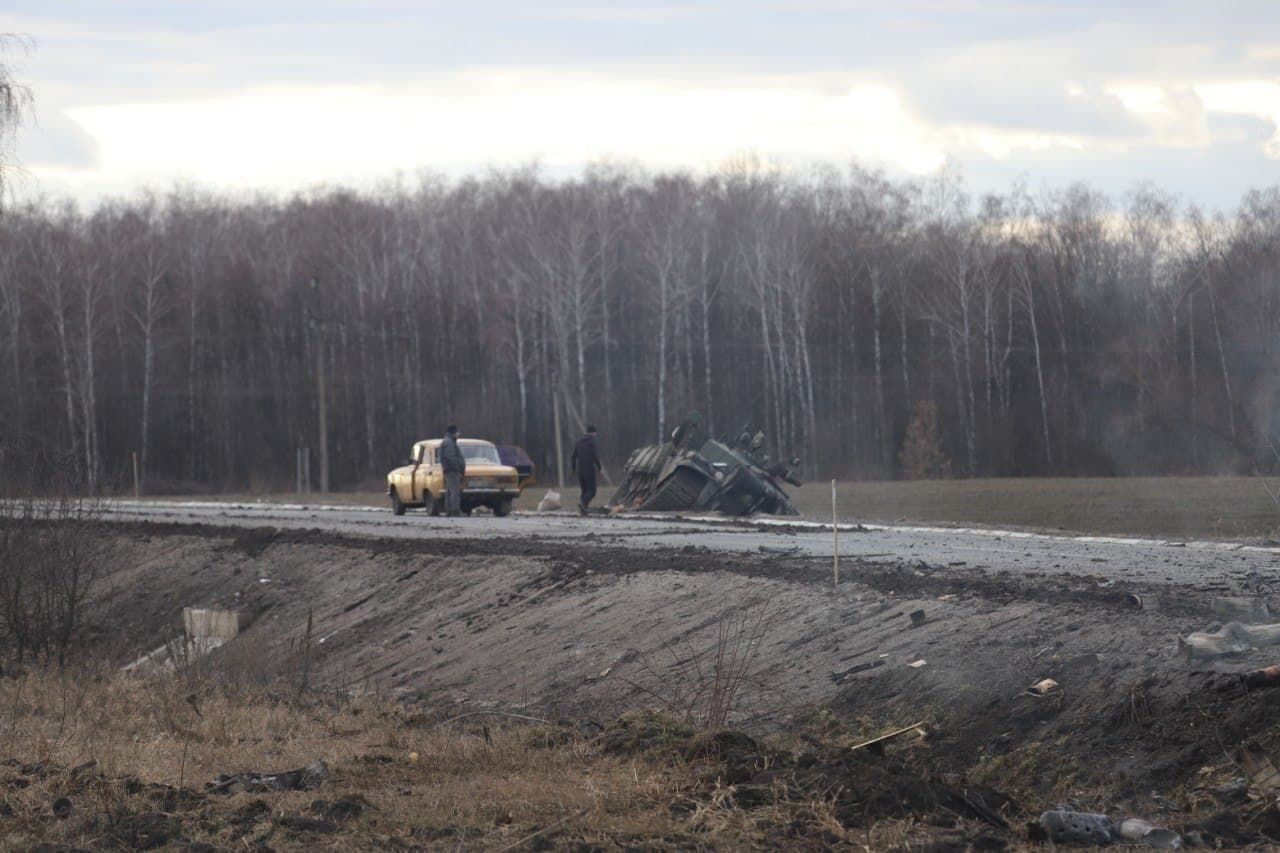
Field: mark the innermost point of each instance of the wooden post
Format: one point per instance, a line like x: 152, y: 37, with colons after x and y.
x: 297, y: 466
x: 137, y: 487
x: 835, y: 540
x: 555, y: 404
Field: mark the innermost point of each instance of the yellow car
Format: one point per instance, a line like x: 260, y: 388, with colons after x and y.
x: 420, y: 482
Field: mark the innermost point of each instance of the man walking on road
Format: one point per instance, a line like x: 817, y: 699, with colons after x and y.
x: 586, y: 462
x: 454, y: 465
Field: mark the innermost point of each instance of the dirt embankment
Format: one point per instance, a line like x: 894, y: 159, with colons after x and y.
x: 590, y: 632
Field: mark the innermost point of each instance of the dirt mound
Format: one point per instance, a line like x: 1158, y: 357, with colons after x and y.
x: 589, y: 632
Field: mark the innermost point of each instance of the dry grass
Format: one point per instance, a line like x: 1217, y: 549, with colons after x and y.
x: 133, y: 755
x: 484, y: 785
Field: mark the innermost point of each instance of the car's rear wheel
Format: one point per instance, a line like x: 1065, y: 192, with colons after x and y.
x: 436, y: 504
x: 397, y: 505
x: 502, y: 507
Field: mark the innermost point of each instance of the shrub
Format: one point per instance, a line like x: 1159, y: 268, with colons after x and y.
x: 921, y: 456
x: 51, y: 556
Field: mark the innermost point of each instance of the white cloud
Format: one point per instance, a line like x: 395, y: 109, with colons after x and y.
x: 286, y: 93
x: 286, y: 137
x: 1257, y: 98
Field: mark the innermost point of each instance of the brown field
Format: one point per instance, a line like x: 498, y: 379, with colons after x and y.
x: 1163, y: 507
x: 1172, y: 507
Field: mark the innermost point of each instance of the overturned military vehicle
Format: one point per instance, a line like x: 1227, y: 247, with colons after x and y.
x: 693, y: 471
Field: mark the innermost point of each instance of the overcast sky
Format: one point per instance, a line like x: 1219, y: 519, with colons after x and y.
x: 284, y: 94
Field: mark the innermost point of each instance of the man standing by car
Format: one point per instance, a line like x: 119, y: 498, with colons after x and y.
x: 586, y: 462
x: 454, y: 465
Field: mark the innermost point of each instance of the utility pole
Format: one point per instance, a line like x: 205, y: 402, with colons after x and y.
x: 321, y: 381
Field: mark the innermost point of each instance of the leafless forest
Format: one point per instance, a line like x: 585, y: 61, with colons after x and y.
x: 1058, y: 332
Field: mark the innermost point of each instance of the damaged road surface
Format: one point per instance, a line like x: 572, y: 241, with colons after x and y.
x: 1219, y: 566
x: 926, y: 655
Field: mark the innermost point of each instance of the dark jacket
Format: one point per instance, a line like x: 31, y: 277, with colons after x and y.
x: 585, y: 459
x: 451, y: 458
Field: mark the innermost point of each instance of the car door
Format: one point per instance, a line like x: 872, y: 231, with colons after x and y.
x: 425, y: 472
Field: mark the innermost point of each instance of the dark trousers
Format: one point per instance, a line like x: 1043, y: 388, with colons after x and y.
x: 587, y: 482
x: 452, y: 492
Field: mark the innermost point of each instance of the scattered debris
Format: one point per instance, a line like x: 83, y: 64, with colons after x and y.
x: 1266, y: 677
x: 550, y: 501
x: 918, y: 664
x: 779, y: 549
x: 1240, y: 608
x: 1044, y: 687
x: 1133, y: 600
x: 876, y: 744
x: 1263, y: 776
x: 1063, y: 825
x: 842, y: 677
x: 313, y: 775
x: 62, y: 807
x: 1233, y: 638
x: 917, y: 618
x: 1137, y: 829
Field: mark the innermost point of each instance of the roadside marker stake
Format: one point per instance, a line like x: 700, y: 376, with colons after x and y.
x: 835, y: 540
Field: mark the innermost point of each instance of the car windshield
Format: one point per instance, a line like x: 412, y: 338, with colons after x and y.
x: 483, y: 454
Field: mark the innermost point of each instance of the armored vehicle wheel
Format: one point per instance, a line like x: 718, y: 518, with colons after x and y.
x: 679, y: 491
x: 397, y: 505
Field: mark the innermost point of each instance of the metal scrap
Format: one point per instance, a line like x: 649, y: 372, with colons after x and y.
x: 313, y: 775
x: 1137, y: 829
x: 1064, y: 825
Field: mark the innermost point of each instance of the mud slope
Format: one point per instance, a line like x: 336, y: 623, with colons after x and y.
x: 596, y: 630
x: 588, y: 631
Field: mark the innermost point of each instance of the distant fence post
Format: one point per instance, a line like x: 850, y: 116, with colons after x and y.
x: 137, y: 487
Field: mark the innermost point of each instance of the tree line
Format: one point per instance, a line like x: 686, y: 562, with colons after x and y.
x: 1060, y: 332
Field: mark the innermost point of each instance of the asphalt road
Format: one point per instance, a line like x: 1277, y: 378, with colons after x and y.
x: 1130, y: 560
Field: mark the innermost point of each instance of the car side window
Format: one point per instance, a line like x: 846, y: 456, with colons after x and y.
x: 435, y: 456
